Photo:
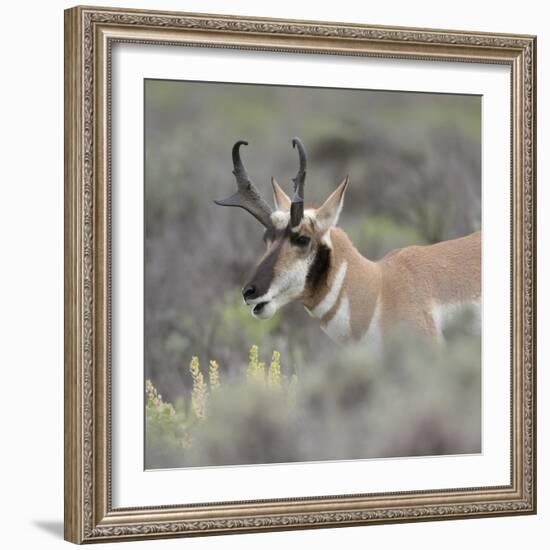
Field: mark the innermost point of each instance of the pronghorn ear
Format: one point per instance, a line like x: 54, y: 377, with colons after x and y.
x: 282, y: 200
x: 327, y: 215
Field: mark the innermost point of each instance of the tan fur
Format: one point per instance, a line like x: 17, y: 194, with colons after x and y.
x: 416, y: 278
x: 361, y: 285
x: 281, y: 199
x: 404, y: 286
x: 330, y: 209
x: 289, y: 254
x: 407, y: 283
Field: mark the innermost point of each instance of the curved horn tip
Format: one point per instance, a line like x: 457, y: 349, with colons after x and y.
x: 298, y: 144
x: 236, y: 153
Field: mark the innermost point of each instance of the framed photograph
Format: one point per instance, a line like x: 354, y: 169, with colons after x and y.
x: 300, y: 274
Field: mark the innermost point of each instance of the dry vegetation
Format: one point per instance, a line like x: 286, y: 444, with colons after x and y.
x: 418, y: 398
x: 414, y: 162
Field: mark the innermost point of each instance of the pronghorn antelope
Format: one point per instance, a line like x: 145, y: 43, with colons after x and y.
x: 311, y: 260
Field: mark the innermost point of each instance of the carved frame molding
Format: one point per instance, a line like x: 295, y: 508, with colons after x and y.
x: 89, y: 36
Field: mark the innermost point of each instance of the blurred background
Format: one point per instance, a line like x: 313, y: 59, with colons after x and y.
x: 414, y: 162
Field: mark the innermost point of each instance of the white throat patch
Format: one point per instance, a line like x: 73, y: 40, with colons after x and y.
x: 339, y: 328
x: 327, y: 303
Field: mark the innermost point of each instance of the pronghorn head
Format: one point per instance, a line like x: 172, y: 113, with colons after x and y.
x: 298, y: 248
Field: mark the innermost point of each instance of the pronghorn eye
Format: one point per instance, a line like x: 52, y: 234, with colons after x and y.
x: 300, y: 240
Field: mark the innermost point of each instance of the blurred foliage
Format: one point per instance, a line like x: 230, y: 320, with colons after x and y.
x: 236, y: 321
x: 171, y: 430
x: 414, y: 160
x: 418, y: 398
x: 378, y: 234
x: 167, y: 427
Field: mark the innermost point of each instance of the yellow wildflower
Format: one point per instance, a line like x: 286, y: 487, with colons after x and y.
x: 199, y: 394
x: 274, y: 376
x: 213, y: 376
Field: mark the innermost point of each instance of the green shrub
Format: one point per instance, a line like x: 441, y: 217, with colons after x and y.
x: 167, y: 428
x: 416, y: 398
x: 171, y: 430
x: 377, y: 235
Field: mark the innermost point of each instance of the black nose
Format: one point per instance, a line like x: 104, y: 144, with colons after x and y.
x: 249, y: 291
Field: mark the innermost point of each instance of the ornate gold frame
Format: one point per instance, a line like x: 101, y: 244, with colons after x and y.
x: 89, y: 35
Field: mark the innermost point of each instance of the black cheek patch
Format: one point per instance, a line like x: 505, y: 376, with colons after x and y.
x: 318, y: 270
x: 264, y: 272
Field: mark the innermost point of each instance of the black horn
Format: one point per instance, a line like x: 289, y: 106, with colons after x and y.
x: 247, y: 195
x: 297, y: 204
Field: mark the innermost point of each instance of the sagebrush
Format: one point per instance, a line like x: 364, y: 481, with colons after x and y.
x: 419, y: 398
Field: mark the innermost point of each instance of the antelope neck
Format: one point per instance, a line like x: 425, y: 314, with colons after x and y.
x: 350, y: 291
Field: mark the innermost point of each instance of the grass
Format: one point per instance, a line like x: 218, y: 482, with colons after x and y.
x: 171, y: 428
x: 418, y: 398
